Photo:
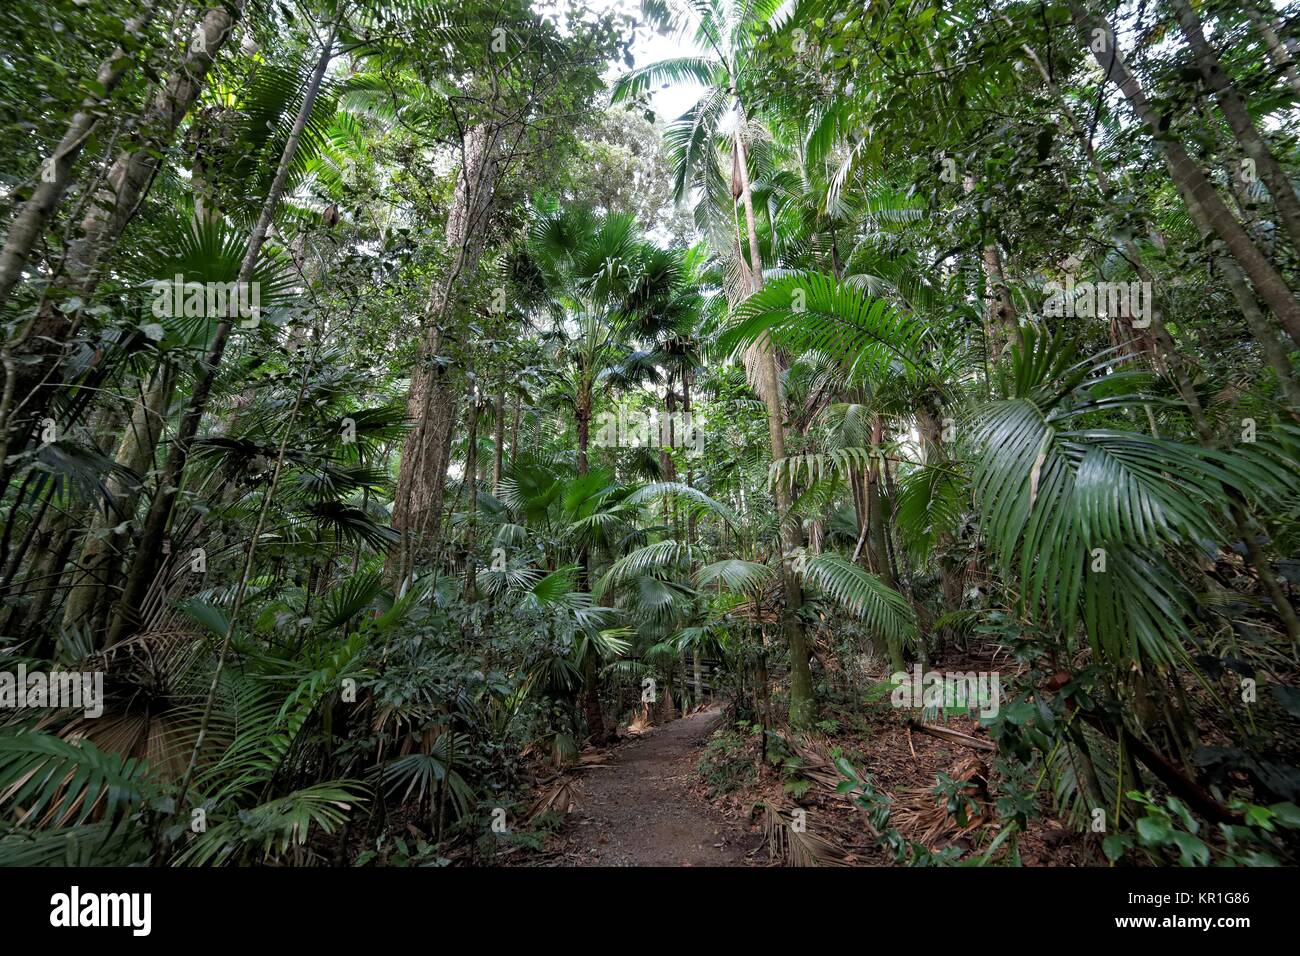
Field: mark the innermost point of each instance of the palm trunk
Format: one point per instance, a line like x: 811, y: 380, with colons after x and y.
x: 950, y: 579
x: 54, y: 547
x: 591, y: 707
x: 514, y: 430
x: 878, y: 535
x: 802, y: 705
x: 590, y: 678
x: 95, y: 569
x: 498, y: 440
x: 471, y: 479
x: 582, y: 413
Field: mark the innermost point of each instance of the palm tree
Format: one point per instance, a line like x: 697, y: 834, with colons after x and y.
x: 598, y: 280
x: 600, y: 284
x: 728, y: 30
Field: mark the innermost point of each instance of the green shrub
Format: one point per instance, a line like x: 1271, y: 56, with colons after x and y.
x: 727, y: 764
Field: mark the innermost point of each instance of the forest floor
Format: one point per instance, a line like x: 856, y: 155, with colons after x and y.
x: 643, y: 807
x: 650, y: 800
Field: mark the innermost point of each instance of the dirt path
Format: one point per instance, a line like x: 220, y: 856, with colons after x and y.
x: 639, y: 809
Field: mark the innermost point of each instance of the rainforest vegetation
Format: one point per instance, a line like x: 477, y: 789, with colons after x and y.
x: 424, y: 424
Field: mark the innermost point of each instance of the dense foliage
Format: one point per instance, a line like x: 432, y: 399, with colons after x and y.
x: 393, y: 403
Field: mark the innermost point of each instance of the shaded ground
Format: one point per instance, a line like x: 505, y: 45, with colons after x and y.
x: 640, y: 809
x: 905, y: 765
x: 642, y: 803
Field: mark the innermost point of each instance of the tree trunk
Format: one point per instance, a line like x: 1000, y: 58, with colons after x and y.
x: 149, y: 553
x: 582, y: 413
x: 802, y: 705
x: 498, y: 440
x: 433, y: 398
x: 55, y: 547
x: 89, y: 593
x: 591, y: 708
x: 933, y: 454
x: 878, y: 550
x: 590, y: 678
x: 1235, y: 112
x: 471, y: 487
x: 1188, y: 177
x: 514, y: 430
x: 1000, y: 310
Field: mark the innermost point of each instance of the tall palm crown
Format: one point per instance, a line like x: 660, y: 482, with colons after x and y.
x: 728, y: 31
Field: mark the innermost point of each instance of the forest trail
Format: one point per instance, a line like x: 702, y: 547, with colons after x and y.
x: 639, y: 808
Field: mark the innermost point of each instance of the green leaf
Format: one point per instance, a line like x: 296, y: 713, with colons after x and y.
x: 1193, y: 852
x: 1114, y: 845
x: 1153, y: 831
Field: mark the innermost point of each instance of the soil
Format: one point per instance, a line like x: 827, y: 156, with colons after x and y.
x: 643, y: 803
x: 641, y: 809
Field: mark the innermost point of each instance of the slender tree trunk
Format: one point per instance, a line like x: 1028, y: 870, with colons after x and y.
x: 878, y: 549
x: 1187, y: 175
x: 1239, y: 121
x: 802, y: 704
x: 514, y: 430
x: 56, y: 170
x: 471, y: 479
x: 582, y: 413
x: 149, y: 552
x: 950, y: 577
x: 498, y: 440
x: 1001, y: 311
x: 54, y: 549
x: 694, y: 431
x: 592, y: 709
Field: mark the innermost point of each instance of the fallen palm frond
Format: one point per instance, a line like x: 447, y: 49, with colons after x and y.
x: 640, y: 722
x: 927, y: 818
x: 789, y: 842
x: 815, y: 765
x: 558, y: 798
